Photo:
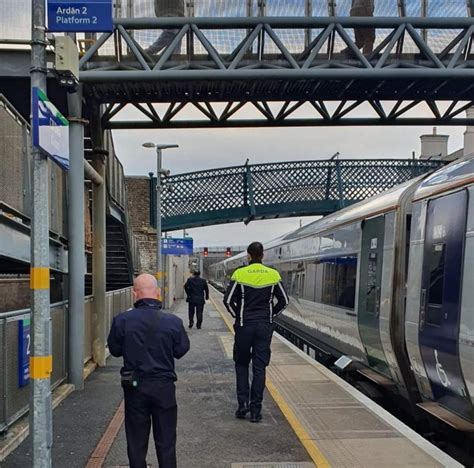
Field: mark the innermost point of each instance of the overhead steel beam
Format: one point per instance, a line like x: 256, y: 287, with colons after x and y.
x: 285, y: 22
x: 254, y: 123
x: 267, y: 74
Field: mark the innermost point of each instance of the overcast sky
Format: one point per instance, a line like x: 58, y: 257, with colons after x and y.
x: 206, y: 149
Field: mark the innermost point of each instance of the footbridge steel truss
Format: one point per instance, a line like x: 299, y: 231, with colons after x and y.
x: 274, y: 190
x: 421, y: 72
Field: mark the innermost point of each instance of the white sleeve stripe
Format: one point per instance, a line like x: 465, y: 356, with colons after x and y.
x: 229, y: 297
x: 284, y: 293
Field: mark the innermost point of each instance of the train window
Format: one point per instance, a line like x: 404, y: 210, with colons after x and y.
x: 338, y: 281
x: 434, y: 311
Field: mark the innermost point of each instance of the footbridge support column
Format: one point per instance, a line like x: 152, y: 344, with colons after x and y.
x: 76, y: 257
x: 99, y: 213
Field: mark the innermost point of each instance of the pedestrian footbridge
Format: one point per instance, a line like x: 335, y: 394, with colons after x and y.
x: 274, y: 190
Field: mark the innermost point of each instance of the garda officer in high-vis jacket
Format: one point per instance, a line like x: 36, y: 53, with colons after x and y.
x: 255, y: 296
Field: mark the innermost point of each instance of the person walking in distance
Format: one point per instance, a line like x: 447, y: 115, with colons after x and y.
x: 197, y: 292
x: 166, y: 8
x: 255, y: 296
x: 149, y: 340
x: 364, y: 37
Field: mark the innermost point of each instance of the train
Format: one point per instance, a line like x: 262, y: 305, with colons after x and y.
x: 385, y: 288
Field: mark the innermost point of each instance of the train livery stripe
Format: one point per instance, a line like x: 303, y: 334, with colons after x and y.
x: 41, y: 367
x: 313, y: 451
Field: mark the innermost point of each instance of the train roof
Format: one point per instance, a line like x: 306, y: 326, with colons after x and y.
x: 381, y: 203
x: 459, y: 171
x: 457, y: 174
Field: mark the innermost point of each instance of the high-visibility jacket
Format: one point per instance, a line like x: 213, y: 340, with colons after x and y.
x: 255, y: 294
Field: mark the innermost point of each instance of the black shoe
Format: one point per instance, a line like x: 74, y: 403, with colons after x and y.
x: 191, y: 325
x: 242, y: 411
x: 255, y: 417
x: 198, y: 327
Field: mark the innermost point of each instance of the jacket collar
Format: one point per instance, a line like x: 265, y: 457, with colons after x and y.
x: 148, y: 302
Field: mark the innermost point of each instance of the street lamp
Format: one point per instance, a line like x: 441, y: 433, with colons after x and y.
x: 159, y: 172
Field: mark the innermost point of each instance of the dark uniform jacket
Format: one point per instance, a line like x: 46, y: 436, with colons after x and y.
x: 167, y: 340
x: 197, y: 290
x: 169, y: 8
x: 251, y: 294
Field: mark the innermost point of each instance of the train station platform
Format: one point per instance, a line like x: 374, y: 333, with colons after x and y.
x: 310, y: 416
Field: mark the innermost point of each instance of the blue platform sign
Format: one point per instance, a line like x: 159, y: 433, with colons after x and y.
x: 80, y: 15
x: 177, y: 246
x: 24, y: 349
x: 50, y: 129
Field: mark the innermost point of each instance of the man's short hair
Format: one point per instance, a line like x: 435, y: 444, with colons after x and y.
x: 197, y: 273
x: 255, y: 250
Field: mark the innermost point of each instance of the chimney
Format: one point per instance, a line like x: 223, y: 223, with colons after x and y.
x: 469, y: 134
x: 435, y: 146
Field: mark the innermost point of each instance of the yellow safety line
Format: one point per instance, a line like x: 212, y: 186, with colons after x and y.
x: 313, y: 451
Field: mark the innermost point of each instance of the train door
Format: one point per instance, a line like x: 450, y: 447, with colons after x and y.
x: 368, y: 314
x: 440, y: 301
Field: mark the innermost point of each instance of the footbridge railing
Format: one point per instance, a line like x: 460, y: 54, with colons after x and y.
x: 251, y: 192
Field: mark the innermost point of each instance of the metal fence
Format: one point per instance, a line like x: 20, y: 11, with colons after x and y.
x: 14, y: 26
x: 14, y: 399
x: 15, y: 175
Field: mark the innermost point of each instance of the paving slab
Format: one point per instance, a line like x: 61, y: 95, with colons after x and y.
x: 209, y: 435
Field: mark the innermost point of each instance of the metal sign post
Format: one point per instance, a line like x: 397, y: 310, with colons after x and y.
x: 41, y: 362
x: 159, y: 172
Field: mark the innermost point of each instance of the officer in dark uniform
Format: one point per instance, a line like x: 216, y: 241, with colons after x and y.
x: 149, y: 341
x: 250, y: 298
x: 197, y: 292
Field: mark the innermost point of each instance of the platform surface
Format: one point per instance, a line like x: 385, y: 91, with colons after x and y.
x: 310, y: 416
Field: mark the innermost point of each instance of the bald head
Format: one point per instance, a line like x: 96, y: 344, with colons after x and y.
x: 145, y: 287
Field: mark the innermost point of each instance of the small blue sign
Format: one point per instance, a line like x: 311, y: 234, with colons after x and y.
x: 80, y: 16
x: 50, y: 128
x: 24, y: 350
x: 177, y: 246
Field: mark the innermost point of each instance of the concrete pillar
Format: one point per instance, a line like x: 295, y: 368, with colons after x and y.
x: 434, y: 146
x: 99, y: 213
x: 469, y: 134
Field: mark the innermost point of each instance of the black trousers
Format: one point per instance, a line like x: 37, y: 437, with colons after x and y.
x: 197, y: 309
x: 252, y: 343
x: 153, y: 402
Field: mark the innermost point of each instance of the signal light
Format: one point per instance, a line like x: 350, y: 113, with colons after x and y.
x: 228, y: 252
x: 206, y: 252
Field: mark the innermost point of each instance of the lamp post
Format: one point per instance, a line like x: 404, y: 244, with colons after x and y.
x: 159, y: 171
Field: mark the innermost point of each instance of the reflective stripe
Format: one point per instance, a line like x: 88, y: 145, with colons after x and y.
x: 41, y: 367
x: 229, y: 297
x: 271, y: 304
x: 284, y: 293
x: 39, y: 278
x: 242, y: 305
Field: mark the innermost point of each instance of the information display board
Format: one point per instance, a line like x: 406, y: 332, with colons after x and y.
x: 177, y: 246
x: 50, y: 128
x: 24, y: 350
x: 80, y: 15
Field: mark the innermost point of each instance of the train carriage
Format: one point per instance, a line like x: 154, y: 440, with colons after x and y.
x: 388, y: 283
